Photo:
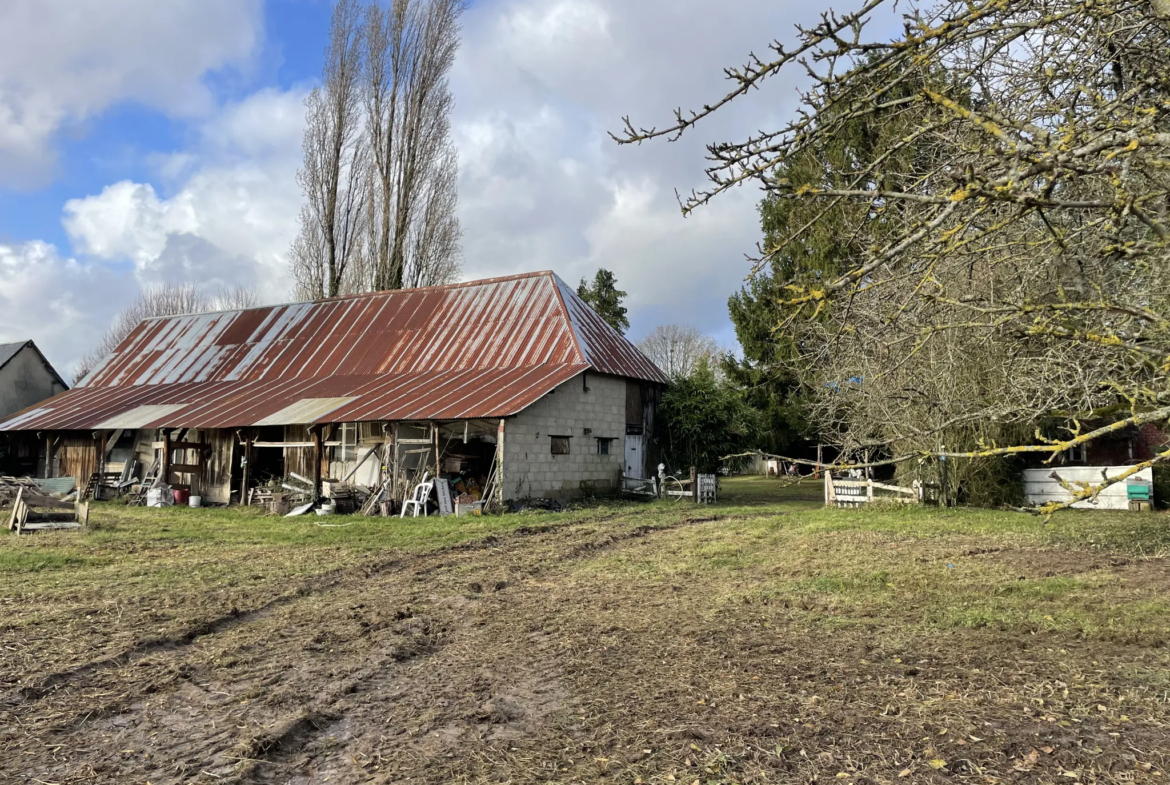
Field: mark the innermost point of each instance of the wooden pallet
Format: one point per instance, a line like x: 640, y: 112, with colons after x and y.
x: 35, y: 512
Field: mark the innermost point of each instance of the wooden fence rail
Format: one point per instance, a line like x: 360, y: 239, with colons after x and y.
x: 842, y: 492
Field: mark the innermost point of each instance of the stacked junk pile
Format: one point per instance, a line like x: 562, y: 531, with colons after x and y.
x: 419, y: 469
x: 36, y: 505
x: 414, y: 469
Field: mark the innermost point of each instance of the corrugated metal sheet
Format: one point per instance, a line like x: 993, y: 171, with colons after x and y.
x: 604, y: 348
x: 305, y: 410
x: 481, y: 349
x: 140, y: 415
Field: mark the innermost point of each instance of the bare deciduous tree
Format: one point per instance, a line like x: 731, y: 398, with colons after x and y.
x: 233, y: 298
x: 333, y: 177
x: 1021, y: 270
x: 413, y: 230
x: 380, y: 170
x: 678, y: 349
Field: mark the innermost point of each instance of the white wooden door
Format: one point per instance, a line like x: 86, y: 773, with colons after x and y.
x: 635, y: 465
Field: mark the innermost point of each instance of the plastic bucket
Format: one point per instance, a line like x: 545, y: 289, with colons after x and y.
x: 196, y: 501
x: 182, y: 498
x: 327, y: 509
x: 155, y: 498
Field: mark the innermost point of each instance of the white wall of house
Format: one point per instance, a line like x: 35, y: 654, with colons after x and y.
x: 24, y: 380
x: 1040, y: 487
x: 531, y: 469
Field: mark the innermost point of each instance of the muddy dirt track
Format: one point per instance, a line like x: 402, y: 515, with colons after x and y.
x: 512, y: 659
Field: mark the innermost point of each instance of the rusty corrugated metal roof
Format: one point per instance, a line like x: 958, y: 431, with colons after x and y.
x: 480, y: 349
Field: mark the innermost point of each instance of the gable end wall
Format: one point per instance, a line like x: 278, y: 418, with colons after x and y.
x: 25, y: 381
x: 530, y: 468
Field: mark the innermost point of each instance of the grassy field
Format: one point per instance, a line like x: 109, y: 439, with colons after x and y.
x: 762, y: 640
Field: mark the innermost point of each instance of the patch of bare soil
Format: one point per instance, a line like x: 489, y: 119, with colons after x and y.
x: 506, y: 662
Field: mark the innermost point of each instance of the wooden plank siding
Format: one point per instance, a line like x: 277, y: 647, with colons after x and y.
x: 78, y: 457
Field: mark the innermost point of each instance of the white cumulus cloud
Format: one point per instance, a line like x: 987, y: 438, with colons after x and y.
x: 62, y: 62
x: 232, y: 213
x: 541, y: 83
x: 61, y: 303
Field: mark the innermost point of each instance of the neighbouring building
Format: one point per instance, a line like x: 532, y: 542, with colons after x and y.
x: 26, y: 378
x: 514, y: 376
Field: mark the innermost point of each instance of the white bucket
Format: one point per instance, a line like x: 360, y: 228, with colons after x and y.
x: 195, y: 501
x: 327, y: 509
x: 159, y: 497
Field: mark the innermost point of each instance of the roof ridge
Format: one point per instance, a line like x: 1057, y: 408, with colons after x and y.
x: 560, y: 286
x: 361, y: 295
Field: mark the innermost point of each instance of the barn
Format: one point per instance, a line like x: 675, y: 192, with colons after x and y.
x: 515, y: 377
x: 26, y: 378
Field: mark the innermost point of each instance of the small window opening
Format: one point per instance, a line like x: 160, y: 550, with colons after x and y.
x: 560, y: 445
x: 604, y: 446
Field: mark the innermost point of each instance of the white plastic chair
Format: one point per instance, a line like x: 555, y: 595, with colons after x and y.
x: 418, y: 500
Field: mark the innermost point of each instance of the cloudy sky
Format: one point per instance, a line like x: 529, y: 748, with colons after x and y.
x: 144, y: 141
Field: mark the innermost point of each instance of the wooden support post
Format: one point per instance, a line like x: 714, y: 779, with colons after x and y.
x: 101, y: 463
x: 817, y: 470
x: 435, y: 435
x: 165, y: 464
x: 247, y: 470
x: 694, y: 485
x: 500, y: 466
x: 48, y: 456
x: 394, y: 466
x: 318, y: 456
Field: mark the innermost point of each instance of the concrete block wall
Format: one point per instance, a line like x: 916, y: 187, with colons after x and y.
x: 530, y: 468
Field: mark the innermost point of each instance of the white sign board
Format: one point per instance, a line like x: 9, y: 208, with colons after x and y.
x: 443, y: 492
x: 1040, y: 487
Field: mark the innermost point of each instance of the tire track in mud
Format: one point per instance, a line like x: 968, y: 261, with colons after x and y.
x: 298, y: 732
x: 337, y: 578
x: 316, y: 585
x: 529, y: 551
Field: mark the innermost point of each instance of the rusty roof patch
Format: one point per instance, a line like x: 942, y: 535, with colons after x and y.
x: 480, y: 349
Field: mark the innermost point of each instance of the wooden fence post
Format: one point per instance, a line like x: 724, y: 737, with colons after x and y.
x: 694, y: 485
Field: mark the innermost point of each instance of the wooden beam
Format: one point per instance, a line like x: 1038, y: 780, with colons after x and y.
x: 247, y: 468
x: 317, y: 455
x: 165, y: 465
x: 108, y: 446
x: 48, y: 457
x: 500, y: 465
x: 394, y: 466
x: 298, y: 444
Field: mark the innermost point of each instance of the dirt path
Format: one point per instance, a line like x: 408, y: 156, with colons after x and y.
x: 509, y: 660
